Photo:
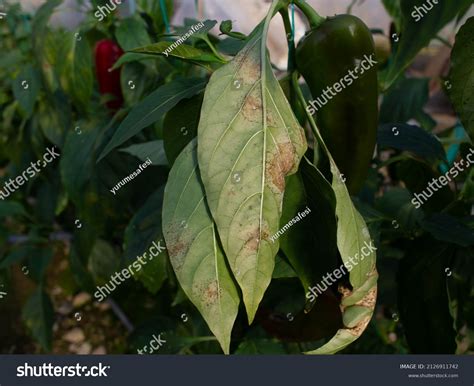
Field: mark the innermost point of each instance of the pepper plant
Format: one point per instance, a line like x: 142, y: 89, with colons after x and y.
x: 271, y: 211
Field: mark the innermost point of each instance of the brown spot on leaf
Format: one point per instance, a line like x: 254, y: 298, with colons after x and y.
x: 281, y: 164
x: 367, y: 301
x: 211, y: 293
x: 252, y: 109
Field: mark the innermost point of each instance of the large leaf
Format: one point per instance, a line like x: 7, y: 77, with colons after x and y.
x: 418, y: 31
x: 38, y: 315
x: 249, y: 141
x: 194, y: 250
x: 152, y: 108
x: 462, y: 76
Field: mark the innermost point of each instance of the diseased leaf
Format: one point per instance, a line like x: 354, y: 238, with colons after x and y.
x: 249, y: 141
x: 150, y: 109
x: 358, y: 255
x: 462, y: 76
x: 194, y: 249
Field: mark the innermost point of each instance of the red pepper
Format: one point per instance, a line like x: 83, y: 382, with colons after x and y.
x: 107, y: 52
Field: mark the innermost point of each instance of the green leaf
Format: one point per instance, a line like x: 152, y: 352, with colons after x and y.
x: 193, y: 246
x: 352, y: 238
x: 77, y: 70
x: 396, y: 204
x: 29, y: 78
x: 77, y: 160
x: 132, y: 33
x: 103, y: 262
x: 418, y: 34
x: 180, y: 126
x: 393, y: 9
x: 38, y: 315
x: 412, y: 139
x: 310, y: 243
x: 181, y: 51
x: 404, y: 100
x: 462, y: 76
x: 153, y: 150
x: 150, y: 109
x: 249, y: 141
x: 283, y: 270
x: 143, y: 229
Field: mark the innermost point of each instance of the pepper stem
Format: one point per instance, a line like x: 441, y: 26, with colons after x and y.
x: 315, y: 20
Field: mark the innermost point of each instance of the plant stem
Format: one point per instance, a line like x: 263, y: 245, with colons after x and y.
x: 315, y: 20
x: 291, y: 42
x: 312, y: 123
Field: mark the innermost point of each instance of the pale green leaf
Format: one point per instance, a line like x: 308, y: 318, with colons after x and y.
x: 194, y: 250
x: 249, y: 141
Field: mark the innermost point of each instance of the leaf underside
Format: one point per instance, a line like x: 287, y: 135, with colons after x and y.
x: 194, y: 250
x: 248, y: 142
